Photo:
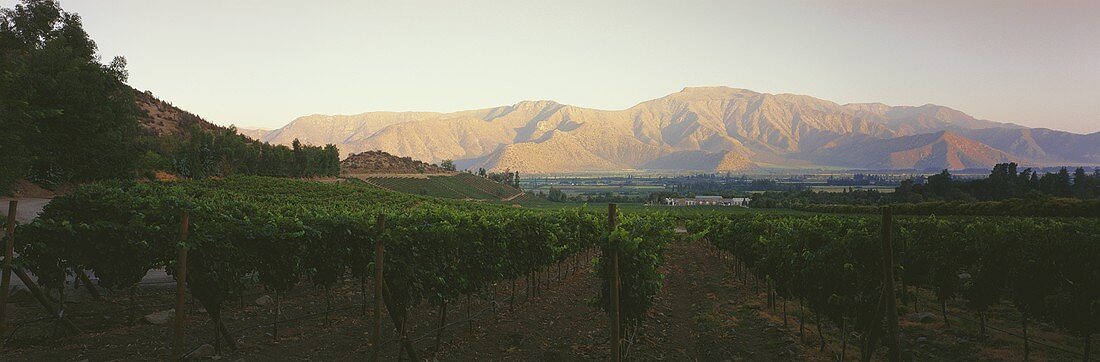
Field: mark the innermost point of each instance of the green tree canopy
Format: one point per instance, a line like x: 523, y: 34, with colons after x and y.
x: 67, y: 117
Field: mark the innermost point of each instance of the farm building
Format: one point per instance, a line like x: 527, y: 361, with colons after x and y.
x: 708, y: 201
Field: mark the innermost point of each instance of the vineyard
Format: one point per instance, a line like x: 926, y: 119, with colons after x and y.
x: 413, y: 259
x: 458, y: 186
x: 1049, y: 269
x: 280, y: 232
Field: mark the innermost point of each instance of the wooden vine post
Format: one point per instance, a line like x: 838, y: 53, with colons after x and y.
x: 616, y: 336
x: 9, y: 253
x: 892, y: 343
x: 379, y: 250
x: 181, y: 289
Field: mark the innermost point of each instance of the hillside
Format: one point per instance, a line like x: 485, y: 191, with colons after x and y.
x: 701, y: 160
x: 943, y: 149
x: 406, y: 175
x: 1041, y: 144
x: 161, y: 118
x: 687, y: 129
x: 378, y: 162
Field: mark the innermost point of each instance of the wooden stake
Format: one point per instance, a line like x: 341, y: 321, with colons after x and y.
x: 363, y: 291
x: 130, y: 307
x: 442, y: 325
x: 869, y: 340
x: 820, y: 336
x: 44, y: 300
x: 88, y: 283
x: 217, y: 338
x: 398, y: 320
x: 1027, y: 346
x: 612, y: 223
x: 328, y: 305
x: 278, y: 312
x: 379, y: 253
x: 9, y: 253
x: 181, y: 289
x: 801, y: 320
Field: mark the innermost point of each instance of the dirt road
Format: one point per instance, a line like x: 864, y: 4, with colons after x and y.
x: 28, y: 209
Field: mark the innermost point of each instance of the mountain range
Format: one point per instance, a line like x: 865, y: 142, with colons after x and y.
x: 700, y: 129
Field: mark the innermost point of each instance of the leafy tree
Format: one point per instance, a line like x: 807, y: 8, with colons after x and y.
x: 71, y: 117
x: 448, y: 165
x: 1057, y: 184
x: 555, y: 195
x: 1084, y: 186
x: 67, y: 117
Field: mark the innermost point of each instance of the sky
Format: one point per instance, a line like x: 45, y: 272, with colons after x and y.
x: 263, y: 63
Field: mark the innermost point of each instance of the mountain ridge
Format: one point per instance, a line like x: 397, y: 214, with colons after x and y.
x: 750, y: 129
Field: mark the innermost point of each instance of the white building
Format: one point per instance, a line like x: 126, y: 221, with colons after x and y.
x: 708, y: 201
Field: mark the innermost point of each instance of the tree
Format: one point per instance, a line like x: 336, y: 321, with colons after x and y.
x: 70, y: 117
x: 1082, y: 184
x: 448, y: 165
x: 940, y: 184
x: 1057, y: 184
x: 556, y: 195
x: 1000, y: 184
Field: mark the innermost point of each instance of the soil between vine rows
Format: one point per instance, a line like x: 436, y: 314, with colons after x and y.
x: 697, y: 316
x: 700, y: 314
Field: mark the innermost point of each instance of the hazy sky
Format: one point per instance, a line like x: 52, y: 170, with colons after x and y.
x: 263, y: 63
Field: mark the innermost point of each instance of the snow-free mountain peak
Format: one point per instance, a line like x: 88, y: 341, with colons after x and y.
x: 698, y: 128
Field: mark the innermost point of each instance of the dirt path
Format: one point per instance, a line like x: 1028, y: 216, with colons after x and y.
x: 702, y: 315
x: 513, y: 197
x: 29, y: 208
x: 699, y: 315
x: 558, y: 325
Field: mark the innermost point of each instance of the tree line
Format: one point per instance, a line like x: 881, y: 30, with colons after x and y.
x: 68, y: 118
x: 1005, y: 182
x: 507, y: 177
x: 1006, y: 186
x: 201, y: 153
